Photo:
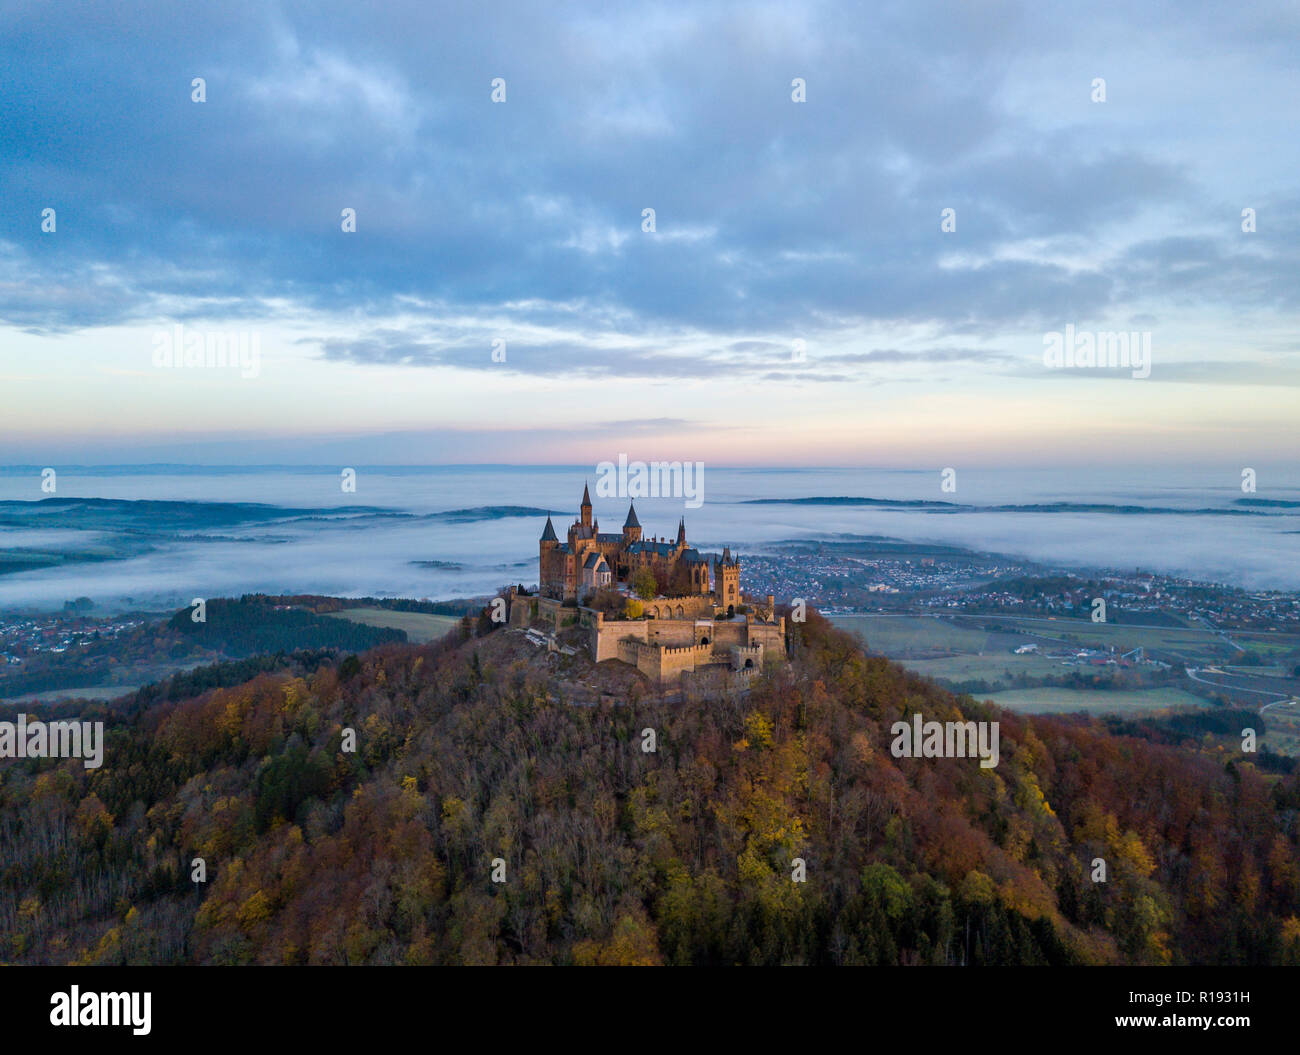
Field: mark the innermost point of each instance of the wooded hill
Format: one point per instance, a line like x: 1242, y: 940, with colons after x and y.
x: 613, y: 855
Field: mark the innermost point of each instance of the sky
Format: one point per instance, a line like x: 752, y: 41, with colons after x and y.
x: 798, y: 301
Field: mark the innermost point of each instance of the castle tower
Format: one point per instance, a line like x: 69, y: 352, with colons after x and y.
x: 681, y: 533
x: 726, y: 577
x: 546, y: 547
x: 549, y: 540
x: 631, y: 526
x: 585, y: 508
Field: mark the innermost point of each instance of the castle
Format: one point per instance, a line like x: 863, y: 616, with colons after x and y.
x: 592, y: 559
x: 698, y: 620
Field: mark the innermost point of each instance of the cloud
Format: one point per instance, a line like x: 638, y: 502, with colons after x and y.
x: 467, y: 344
x: 776, y: 221
x: 770, y: 214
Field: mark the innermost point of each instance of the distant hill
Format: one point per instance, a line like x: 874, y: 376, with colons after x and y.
x: 473, y: 749
x: 256, y: 624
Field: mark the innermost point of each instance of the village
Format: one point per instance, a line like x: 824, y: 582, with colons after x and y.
x: 23, y: 638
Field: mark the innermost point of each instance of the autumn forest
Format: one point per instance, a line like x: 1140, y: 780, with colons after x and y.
x: 485, y: 818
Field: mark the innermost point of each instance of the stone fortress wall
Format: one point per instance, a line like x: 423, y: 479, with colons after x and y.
x: 665, y: 648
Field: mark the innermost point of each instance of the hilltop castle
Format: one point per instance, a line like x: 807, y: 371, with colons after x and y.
x: 698, y: 620
x: 591, y: 560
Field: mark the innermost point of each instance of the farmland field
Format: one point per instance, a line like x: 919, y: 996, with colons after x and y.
x: 892, y: 635
x: 1189, y: 640
x: 419, y: 626
x: 94, y: 692
x: 1258, y: 672
x: 1048, y: 700
x: 1101, y: 635
x: 998, y: 667
x: 904, y: 636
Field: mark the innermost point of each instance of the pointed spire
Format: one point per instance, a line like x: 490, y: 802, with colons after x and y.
x: 549, y: 534
x: 584, y: 511
x: 681, y: 531
x: 631, y: 520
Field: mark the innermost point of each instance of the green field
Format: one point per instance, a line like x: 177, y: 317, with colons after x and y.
x: 1093, y: 634
x: 419, y: 626
x: 1258, y: 672
x: 919, y: 643
x: 94, y: 692
x: 1275, y: 646
x: 912, y: 635
x: 998, y: 667
x: 958, y: 650
x: 1049, y: 700
x: 891, y: 635
x: 1189, y: 640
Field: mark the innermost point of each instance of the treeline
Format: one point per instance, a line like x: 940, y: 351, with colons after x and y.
x: 255, y: 624
x: 1107, y: 679
x: 1224, y: 723
x: 322, y: 604
x: 190, y: 683
x: 1181, y: 725
x: 468, y: 762
x: 93, y: 672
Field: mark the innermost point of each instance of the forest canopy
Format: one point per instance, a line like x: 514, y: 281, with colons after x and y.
x: 469, y: 763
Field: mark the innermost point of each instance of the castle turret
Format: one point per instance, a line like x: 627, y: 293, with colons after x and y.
x: 548, y: 559
x: 631, y: 526
x: 585, y: 508
x: 547, y: 545
x: 726, y: 580
x: 681, y: 532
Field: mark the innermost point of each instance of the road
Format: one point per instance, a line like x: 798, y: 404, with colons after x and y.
x: 1222, y: 633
